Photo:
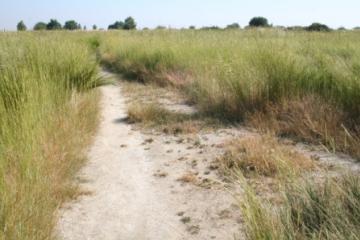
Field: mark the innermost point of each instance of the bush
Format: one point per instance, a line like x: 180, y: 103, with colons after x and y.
x: 233, y: 26
x: 211, y: 28
x: 40, y: 26
x: 318, y: 27
x: 259, y: 22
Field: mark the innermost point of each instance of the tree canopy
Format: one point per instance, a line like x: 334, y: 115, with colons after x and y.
x: 128, y: 24
x: 71, y: 25
x: 258, y: 22
x: 53, y: 25
x: 117, y: 25
x: 40, y: 26
x: 21, y: 26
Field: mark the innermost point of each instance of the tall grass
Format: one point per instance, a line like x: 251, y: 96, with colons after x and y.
x: 47, y: 116
x: 309, y: 210
x: 232, y: 74
x: 289, y: 196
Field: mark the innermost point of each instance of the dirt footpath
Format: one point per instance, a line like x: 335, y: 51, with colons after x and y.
x: 148, y: 186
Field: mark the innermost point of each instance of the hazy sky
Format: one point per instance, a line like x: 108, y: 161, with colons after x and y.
x: 181, y: 13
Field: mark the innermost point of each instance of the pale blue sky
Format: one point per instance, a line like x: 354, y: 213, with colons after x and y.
x: 181, y: 13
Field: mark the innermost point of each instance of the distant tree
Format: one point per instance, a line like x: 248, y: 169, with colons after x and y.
x: 84, y: 28
x: 53, y: 25
x: 21, y: 26
x: 356, y: 28
x: 318, y: 27
x: 233, y: 26
x: 71, y: 25
x: 342, y: 29
x: 211, y: 28
x: 280, y: 27
x: 129, y: 23
x: 259, y: 22
x: 116, y: 26
x: 160, y: 27
x: 295, y: 28
x: 145, y: 29
x: 94, y: 27
x: 192, y: 27
x: 40, y: 26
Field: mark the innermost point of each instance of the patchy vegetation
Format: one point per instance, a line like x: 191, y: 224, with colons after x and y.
x: 237, y: 73
x: 263, y: 156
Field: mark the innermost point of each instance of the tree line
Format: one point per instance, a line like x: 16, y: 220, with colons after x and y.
x: 53, y: 24
x: 130, y: 24
x: 264, y: 23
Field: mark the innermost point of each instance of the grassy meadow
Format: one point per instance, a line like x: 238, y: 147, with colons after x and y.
x: 48, y: 114
x: 293, y: 83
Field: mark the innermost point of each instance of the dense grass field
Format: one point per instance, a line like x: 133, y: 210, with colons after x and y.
x: 298, y: 84
x: 47, y: 116
x: 295, y: 84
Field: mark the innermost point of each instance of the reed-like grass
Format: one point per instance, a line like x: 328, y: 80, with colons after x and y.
x: 47, y: 116
x: 232, y: 74
x: 309, y: 209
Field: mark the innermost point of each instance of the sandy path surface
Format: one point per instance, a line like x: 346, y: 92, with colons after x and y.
x: 124, y: 203
x: 129, y: 201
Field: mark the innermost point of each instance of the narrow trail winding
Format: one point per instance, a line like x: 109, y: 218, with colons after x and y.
x: 135, y: 192
x: 124, y: 202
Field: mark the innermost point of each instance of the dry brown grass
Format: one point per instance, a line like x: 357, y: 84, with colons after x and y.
x: 263, y: 155
x: 152, y: 115
x: 65, y: 149
x: 311, y: 120
x: 188, y: 177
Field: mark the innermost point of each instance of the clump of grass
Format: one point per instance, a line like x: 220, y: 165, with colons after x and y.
x: 47, y: 117
x: 153, y: 115
x: 264, y: 156
x: 312, y: 120
x: 310, y: 210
